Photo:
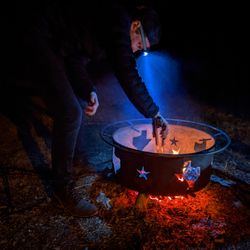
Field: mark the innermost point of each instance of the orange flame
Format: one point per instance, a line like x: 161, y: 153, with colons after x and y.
x: 179, y: 177
x: 175, y: 152
x: 179, y: 197
x: 155, y: 198
x: 170, y: 198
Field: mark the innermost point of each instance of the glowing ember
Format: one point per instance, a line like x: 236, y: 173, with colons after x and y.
x: 164, y: 198
x: 179, y: 197
x: 155, y: 198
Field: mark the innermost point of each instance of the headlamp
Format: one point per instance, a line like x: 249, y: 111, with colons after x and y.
x: 143, y: 38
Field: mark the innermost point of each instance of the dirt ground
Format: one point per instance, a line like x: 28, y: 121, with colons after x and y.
x: 217, y: 218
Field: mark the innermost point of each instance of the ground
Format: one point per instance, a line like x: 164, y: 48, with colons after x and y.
x: 216, y: 218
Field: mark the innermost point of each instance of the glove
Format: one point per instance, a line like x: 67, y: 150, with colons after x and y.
x: 160, y: 122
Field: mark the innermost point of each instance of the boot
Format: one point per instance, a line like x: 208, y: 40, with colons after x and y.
x: 72, y: 203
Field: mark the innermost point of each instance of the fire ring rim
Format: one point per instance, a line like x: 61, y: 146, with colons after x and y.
x: 108, y: 137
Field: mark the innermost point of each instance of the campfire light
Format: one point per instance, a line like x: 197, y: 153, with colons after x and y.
x: 179, y: 177
x: 175, y: 152
x: 180, y: 167
x: 165, y: 198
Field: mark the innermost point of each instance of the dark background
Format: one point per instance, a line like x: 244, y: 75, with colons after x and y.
x: 211, y: 39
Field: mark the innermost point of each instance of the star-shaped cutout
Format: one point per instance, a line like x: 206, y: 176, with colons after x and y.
x: 143, y: 173
x: 173, y: 141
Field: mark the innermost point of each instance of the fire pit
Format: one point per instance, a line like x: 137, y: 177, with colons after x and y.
x: 182, y: 166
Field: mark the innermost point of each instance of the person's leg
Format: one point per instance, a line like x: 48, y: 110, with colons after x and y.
x: 67, y: 121
x: 67, y: 114
x: 49, y: 73
x: 80, y: 148
x: 66, y: 127
x: 82, y: 166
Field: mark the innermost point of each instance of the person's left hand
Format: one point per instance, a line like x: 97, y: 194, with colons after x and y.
x: 92, y: 106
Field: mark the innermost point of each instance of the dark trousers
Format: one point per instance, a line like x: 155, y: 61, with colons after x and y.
x: 68, y: 121
x: 45, y: 71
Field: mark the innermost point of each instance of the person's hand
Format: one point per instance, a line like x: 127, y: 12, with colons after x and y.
x: 163, y: 125
x: 93, y: 104
x: 160, y: 122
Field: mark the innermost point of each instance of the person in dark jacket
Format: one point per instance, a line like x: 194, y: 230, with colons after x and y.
x: 57, y: 42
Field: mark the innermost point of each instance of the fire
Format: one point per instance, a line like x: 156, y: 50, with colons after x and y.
x: 159, y: 149
x: 175, y: 152
x: 155, y: 198
x: 165, y: 198
x: 179, y: 197
x: 179, y: 177
x: 185, y: 166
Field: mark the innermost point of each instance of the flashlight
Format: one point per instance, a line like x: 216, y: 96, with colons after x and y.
x: 143, y: 38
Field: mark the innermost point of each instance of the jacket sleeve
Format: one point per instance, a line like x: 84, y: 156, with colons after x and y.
x: 78, y: 75
x: 124, y: 64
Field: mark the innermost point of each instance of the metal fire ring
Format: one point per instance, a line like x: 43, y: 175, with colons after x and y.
x: 220, y: 139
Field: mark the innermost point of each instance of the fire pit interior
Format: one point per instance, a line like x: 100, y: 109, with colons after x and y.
x: 181, y: 166
x: 181, y: 139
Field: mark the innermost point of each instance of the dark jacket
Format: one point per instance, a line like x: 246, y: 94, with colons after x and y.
x: 80, y: 35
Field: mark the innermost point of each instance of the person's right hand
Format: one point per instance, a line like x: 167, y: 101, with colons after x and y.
x: 163, y: 124
x: 92, y: 106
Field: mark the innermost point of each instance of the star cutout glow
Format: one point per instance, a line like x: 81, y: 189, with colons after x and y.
x: 173, y: 141
x: 143, y: 173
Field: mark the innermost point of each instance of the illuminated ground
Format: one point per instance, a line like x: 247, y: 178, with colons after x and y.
x: 217, y: 218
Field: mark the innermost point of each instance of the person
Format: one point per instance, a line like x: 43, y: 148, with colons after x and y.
x: 56, y: 42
